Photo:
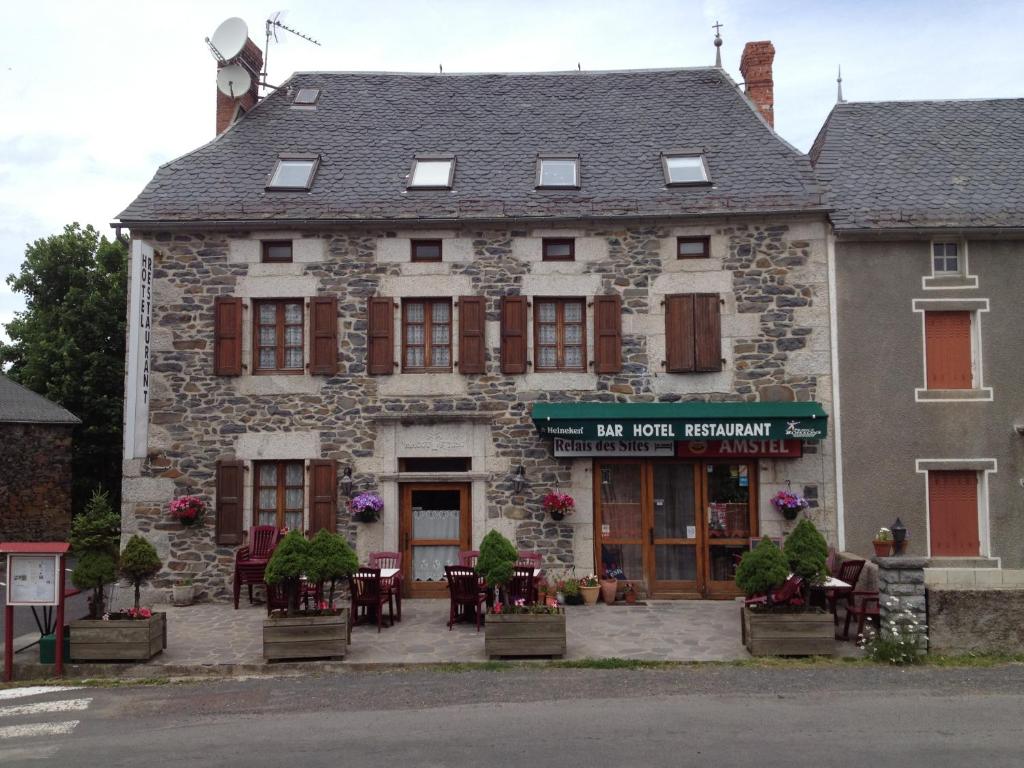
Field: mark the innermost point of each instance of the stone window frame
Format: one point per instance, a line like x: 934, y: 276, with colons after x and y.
x: 704, y: 240
x: 549, y: 242
x: 281, y: 486
x: 415, y: 243
x: 280, y: 347
x: 428, y: 345
x: 978, y: 392
x: 984, y: 467
x: 267, y: 245
x: 949, y: 280
x: 560, y: 304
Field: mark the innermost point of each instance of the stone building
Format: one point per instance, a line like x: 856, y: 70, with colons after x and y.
x: 929, y: 252
x: 464, y: 291
x: 35, y: 465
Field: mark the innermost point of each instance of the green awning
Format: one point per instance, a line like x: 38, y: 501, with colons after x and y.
x: 681, y: 421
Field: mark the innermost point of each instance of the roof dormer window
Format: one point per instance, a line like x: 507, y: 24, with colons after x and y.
x: 432, y: 172
x: 685, y: 167
x: 558, y: 172
x: 293, y: 172
x: 306, y: 97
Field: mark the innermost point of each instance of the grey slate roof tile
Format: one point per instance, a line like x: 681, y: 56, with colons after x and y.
x: 368, y: 126
x: 923, y: 163
x: 21, y: 405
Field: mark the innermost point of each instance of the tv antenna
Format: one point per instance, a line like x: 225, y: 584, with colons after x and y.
x: 274, y: 23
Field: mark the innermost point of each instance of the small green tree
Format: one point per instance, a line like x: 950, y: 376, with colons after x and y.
x: 497, y: 559
x: 139, y: 561
x: 290, y: 561
x: 762, y: 569
x: 807, y: 552
x: 95, y: 534
x: 331, y: 559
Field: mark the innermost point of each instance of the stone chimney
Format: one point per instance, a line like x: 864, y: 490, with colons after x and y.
x: 756, y: 68
x: 227, y: 108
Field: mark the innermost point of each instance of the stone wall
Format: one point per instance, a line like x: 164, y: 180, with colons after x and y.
x: 771, y: 275
x: 901, y: 587
x: 979, y: 620
x: 35, y: 482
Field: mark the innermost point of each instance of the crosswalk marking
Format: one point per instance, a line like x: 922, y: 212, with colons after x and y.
x: 40, y: 707
x: 38, y: 729
x: 35, y: 752
x: 35, y: 690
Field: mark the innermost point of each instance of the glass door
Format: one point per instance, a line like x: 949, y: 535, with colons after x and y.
x: 435, y: 527
x: 731, y: 519
x: 673, y: 534
x: 620, y: 520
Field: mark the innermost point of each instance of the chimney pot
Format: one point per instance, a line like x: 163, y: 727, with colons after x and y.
x: 756, y: 68
x: 228, y: 109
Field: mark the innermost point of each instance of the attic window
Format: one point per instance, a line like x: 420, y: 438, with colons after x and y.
x: 306, y: 97
x: 294, y: 172
x: 432, y: 172
x: 683, y: 168
x: 558, y: 172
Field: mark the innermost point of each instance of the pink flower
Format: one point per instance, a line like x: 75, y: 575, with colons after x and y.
x: 497, y: 608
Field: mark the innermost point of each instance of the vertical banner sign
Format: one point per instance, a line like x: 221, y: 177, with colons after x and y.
x: 140, y: 311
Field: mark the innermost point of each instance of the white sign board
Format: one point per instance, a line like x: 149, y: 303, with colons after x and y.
x: 568, y: 447
x: 140, y: 312
x: 33, y: 579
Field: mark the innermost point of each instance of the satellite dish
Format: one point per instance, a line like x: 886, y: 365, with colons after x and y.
x: 230, y: 37
x: 234, y: 81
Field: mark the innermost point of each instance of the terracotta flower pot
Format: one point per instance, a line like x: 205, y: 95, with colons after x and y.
x: 608, y: 589
x: 882, y: 548
x: 630, y: 597
x: 590, y: 594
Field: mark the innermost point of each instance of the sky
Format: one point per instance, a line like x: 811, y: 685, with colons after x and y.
x: 95, y: 95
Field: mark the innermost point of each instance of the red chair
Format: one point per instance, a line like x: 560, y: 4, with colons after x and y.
x: 251, y: 560
x: 368, y: 591
x: 849, y: 571
x: 868, y: 608
x: 468, y: 558
x: 529, y: 559
x: 391, y: 560
x: 522, y: 586
x: 464, y: 593
x: 790, y: 593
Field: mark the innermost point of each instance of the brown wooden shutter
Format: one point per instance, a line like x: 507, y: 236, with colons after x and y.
x: 229, y: 506
x: 707, y: 332
x: 227, y: 336
x: 381, y: 336
x: 323, y: 321
x: 948, y: 350
x: 953, y: 513
x: 472, y: 318
x: 607, y: 334
x: 679, y: 334
x: 323, y: 474
x: 513, y: 334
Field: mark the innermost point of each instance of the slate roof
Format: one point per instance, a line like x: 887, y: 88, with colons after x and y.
x: 368, y: 126
x: 931, y: 164
x: 21, y: 405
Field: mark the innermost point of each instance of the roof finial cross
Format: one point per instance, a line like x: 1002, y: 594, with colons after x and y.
x: 717, y: 26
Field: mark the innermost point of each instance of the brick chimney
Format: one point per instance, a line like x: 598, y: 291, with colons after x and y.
x: 227, y: 108
x: 756, y: 68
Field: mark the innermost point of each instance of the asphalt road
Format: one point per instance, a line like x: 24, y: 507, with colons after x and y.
x: 709, y: 715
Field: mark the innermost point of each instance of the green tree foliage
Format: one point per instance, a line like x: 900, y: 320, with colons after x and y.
x: 807, y: 552
x: 69, y: 345
x: 139, y: 561
x: 497, y: 559
x: 94, y: 540
x: 762, y: 569
x: 331, y: 559
x: 290, y: 561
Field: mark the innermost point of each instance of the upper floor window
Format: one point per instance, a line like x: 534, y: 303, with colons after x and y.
x: 426, y: 335
x: 558, y: 172
x: 948, y: 350
x: 432, y: 172
x: 280, y: 494
x: 560, y: 334
x: 693, y: 247
x: 426, y: 250
x: 946, y: 259
x: 277, y: 251
x: 558, y: 249
x: 306, y: 97
x: 683, y: 168
x: 293, y: 172
x: 278, y: 336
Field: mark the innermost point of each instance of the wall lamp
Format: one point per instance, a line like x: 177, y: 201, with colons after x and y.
x: 519, y: 479
x: 346, y: 481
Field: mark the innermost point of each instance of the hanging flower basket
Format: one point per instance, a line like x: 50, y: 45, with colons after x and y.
x: 559, y: 505
x: 789, y: 504
x: 366, y: 507
x: 188, y: 510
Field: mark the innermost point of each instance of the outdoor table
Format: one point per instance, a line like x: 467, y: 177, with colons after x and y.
x: 818, y: 593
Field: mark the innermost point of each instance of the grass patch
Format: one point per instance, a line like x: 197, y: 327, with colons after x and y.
x: 90, y: 682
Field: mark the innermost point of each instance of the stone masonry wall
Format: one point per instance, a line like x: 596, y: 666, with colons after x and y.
x: 771, y: 275
x: 35, y: 482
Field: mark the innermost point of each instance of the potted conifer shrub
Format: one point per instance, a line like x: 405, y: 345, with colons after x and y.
x: 311, y: 626
x: 516, y: 629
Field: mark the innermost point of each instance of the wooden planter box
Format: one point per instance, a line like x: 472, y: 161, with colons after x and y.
x: 119, y: 639
x: 800, y: 633
x: 305, y: 637
x: 524, y: 634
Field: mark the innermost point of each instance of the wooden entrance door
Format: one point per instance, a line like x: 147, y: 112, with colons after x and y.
x: 953, y: 513
x: 730, y: 505
x: 435, y: 526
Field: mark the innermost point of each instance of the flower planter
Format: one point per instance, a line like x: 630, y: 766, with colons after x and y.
x: 882, y: 548
x: 608, y: 589
x: 183, y: 594
x: 557, y: 515
x: 788, y: 633
x: 305, y: 637
x: 524, y: 634
x: 118, y: 640
x: 590, y: 594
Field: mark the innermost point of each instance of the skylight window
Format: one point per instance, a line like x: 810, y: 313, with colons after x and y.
x: 685, y: 168
x: 294, y: 172
x: 558, y: 172
x: 432, y: 172
x: 306, y: 97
